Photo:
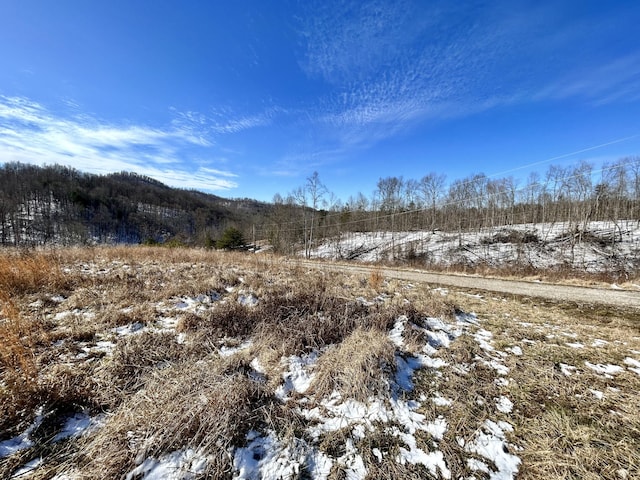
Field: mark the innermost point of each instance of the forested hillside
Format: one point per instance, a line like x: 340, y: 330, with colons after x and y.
x: 56, y: 204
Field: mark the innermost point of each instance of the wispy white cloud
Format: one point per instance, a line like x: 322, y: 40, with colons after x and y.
x: 394, y: 65
x: 30, y: 133
x: 391, y: 66
x: 225, y: 121
x: 616, y: 80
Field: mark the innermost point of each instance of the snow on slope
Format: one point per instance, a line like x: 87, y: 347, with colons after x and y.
x: 602, y: 245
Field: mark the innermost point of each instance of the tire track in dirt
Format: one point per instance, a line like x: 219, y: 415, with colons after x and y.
x: 555, y: 292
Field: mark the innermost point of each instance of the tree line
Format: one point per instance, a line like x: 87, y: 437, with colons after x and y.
x: 576, y: 195
x: 57, y: 204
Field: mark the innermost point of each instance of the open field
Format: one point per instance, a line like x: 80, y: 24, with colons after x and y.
x: 147, y: 363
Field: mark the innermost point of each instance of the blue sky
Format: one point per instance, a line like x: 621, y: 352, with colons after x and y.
x: 249, y: 98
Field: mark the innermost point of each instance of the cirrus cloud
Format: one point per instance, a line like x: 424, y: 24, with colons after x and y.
x: 29, y: 133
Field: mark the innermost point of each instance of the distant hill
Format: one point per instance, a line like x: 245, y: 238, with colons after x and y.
x: 61, y: 205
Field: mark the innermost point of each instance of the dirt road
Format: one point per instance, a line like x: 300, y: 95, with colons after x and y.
x: 558, y: 293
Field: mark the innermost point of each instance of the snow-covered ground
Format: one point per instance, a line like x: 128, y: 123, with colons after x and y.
x: 602, y: 246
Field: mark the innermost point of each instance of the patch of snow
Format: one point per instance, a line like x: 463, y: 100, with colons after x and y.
x: 569, y: 334
x: 78, y: 424
x: 433, y: 461
x: 167, y: 323
x: 438, y: 339
x: 129, y: 329
x: 22, y: 441
x: 574, y: 345
x: 184, y: 464
x: 266, y: 458
x: 607, y: 370
x: 377, y: 453
x: 596, y: 393
x: 437, y: 428
x: 495, y: 364
x: 395, y: 335
x: 483, y: 337
x: 429, y: 362
x: 440, y: 401
x: 248, y: 300
x: 352, y: 462
x: 490, y: 443
x: 501, y: 382
x: 364, y: 301
x: 471, y: 295
x: 477, y: 465
x: 225, y: 351
x: 567, y: 370
x: 257, y: 366
x: 404, y: 371
x: 27, y: 468
x: 516, y: 350
x: 634, y: 365
x: 599, y: 343
x: 335, y: 414
x: 297, y: 377
x: 504, y: 405
x: 467, y: 318
x: 632, y: 362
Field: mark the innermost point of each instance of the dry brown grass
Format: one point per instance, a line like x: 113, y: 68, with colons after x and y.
x: 162, y: 395
x: 376, y: 277
x: 565, y: 430
x: 358, y: 367
x: 19, y: 369
x: 197, y: 405
x: 29, y: 271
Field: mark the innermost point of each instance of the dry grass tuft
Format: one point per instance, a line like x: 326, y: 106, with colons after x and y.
x: 27, y: 271
x: 134, y: 359
x: 190, y: 405
x: 359, y: 367
x: 376, y: 277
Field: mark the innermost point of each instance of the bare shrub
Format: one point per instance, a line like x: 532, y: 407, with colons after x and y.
x: 18, y: 366
x: 511, y: 236
x: 228, y: 319
x: 303, y: 322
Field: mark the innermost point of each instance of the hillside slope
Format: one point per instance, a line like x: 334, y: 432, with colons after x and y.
x: 56, y: 204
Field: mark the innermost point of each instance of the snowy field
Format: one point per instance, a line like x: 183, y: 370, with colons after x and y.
x: 602, y: 246
x: 163, y: 365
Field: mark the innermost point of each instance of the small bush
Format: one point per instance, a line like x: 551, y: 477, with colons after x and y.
x: 232, y: 239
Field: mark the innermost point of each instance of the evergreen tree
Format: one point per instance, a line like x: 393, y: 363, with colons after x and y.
x: 231, y: 239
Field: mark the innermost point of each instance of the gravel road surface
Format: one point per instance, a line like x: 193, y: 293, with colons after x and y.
x: 555, y: 292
